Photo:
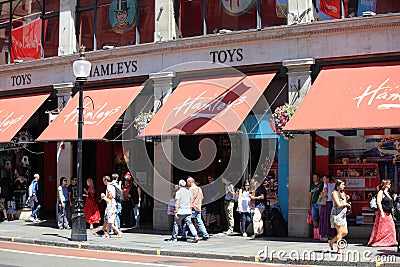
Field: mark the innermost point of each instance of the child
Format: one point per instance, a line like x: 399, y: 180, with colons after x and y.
x: 110, y: 213
x: 11, y: 209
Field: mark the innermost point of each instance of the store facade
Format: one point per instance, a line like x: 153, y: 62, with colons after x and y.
x: 292, y: 54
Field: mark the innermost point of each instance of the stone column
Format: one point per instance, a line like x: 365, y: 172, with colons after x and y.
x: 166, y: 28
x: 64, y: 149
x: 66, y: 36
x: 300, y: 156
x: 300, y: 11
x: 163, y: 152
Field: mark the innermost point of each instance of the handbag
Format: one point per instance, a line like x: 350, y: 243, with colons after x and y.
x: 171, y: 207
x: 372, y: 204
x: 348, y: 212
x: 309, y: 219
x: 322, y: 200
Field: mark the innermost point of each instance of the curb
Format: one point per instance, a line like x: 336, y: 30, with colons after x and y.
x: 202, y: 255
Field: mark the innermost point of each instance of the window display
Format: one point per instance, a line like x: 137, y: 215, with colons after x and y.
x: 362, y: 161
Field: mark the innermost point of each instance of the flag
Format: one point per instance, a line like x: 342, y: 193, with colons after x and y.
x: 26, y: 41
x: 281, y: 8
x: 332, y: 8
x: 366, y: 5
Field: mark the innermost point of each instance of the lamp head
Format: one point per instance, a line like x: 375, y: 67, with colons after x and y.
x: 81, y: 66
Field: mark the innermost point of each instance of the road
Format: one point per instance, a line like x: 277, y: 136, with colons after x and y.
x: 18, y: 254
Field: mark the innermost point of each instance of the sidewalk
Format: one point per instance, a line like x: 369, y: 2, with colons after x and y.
x: 147, y: 241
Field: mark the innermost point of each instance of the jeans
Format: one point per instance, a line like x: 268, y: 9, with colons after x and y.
x: 62, y: 220
x: 315, y: 211
x: 118, y: 215
x: 136, y: 213
x: 36, y: 207
x: 196, y: 214
x: 245, y: 220
x: 186, y: 218
x: 228, y: 205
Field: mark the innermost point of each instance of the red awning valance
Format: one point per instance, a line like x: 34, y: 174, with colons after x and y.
x: 15, y: 112
x: 353, y: 97
x: 212, y: 105
x: 102, y: 108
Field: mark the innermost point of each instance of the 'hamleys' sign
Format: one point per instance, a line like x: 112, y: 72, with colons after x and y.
x: 8, y: 119
x: 218, y: 104
x: 101, y: 109
x: 204, y: 106
x: 96, y: 115
x: 385, y: 96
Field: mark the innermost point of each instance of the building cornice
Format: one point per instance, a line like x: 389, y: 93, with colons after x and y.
x: 285, y: 32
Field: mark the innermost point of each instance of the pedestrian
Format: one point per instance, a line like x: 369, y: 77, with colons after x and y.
x: 109, y: 188
x: 110, y: 215
x: 126, y: 216
x: 244, y: 207
x: 136, y: 199
x: 3, y: 204
x: 91, y: 210
x: 314, y: 209
x: 72, y: 196
x: 229, y: 203
x: 198, y: 197
x: 338, y: 214
x: 260, y: 204
x: 383, y: 232
x: 325, y: 229
x: 62, y: 204
x: 116, y: 183
x: 214, y: 204
x: 183, y: 212
x: 33, y: 198
x: 11, y: 203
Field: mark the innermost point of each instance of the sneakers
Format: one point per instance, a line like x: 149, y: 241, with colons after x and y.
x: 205, y: 237
x: 36, y: 221
x: 244, y: 234
x: 195, y: 240
x: 171, y: 240
x: 229, y: 232
x: 31, y: 219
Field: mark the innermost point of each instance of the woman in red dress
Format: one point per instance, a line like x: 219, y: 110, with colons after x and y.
x: 384, y: 232
x: 92, y: 213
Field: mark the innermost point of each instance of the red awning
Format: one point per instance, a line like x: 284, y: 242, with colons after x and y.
x: 213, y: 105
x: 109, y: 104
x: 15, y: 112
x: 354, y: 97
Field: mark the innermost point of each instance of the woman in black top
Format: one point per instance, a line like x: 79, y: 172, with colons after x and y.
x: 384, y: 232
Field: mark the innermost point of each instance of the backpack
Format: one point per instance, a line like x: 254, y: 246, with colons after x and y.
x: 278, y: 222
x: 372, y: 204
x: 30, y: 189
x: 119, y: 196
x: 396, y: 211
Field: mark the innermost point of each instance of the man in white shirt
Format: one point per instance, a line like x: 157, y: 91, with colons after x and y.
x: 183, y: 212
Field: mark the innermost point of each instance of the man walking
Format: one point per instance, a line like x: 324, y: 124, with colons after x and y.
x: 183, y: 204
x: 33, y: 198
x: 117, y: 186
x: 72, y: 195
x: 198, y: 197
x: 229, y: 204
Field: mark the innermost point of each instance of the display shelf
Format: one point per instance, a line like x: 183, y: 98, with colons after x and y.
x: 361, y: 181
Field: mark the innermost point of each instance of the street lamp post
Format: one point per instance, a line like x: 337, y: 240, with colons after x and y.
x: 81, y: 68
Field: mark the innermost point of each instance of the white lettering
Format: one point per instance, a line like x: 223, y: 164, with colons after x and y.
x: 211, y: 105
x: 382, y: 93
x: 7, y: 120
x: 91, y: 116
